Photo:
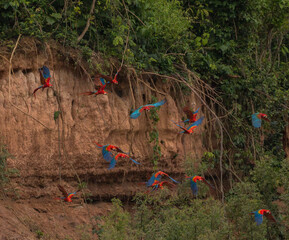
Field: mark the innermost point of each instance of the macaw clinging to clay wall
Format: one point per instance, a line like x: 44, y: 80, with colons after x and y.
x: 259, y: 215
x: 192, y: 116
x: 193, y: 181
x: 157, y: 177
x: 191, y: 128
x: 45, y: 78
x: 147, y: 107
x: 66, y: 196
x: 106, y: 151
x: 119, y: 155
x: 257, y: 119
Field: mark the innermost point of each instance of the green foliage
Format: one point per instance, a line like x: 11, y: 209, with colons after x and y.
x: 56, y: 115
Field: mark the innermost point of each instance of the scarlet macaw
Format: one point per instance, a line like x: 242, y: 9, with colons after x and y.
x: 147, y: 107
x: 259, y: 215
x: 98, y: 92
x: 193, y: 181
x: 106, y: 151
x: 257, y: 119
x: 157, y: 177
x: 66, y: 196
x: 191, y: 128
x: 122, y: 155
x: 44, y: 79
x: 105, y: 79
x: 192, y: 116
x: 160, y: 185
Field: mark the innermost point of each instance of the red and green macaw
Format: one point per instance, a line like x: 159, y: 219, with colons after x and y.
x: 192, y: 116
x: 106, y: 151
x: 160, y: 185
x: 119, y: 155
x: 259, y: 215
x: 98, y: 92
x: 257, y: 119
x: 105, y: 79
x: 191, y: 128
x: 44, y: 79
x: 193, y: 181
x: 147, y: 107
x: 66, y: 196
x: 157, y: 177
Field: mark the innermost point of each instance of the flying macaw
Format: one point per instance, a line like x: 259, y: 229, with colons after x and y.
x: 122, y: 155
x: 44, y: 79
x: 191, y: 128
x: 106, y: 151
x: 66, y: 196
x: 105, y: 79
x: 257, y: 119
x: 147, y: 107
x: 157, y: 177
x: 192, y: 116
x: 98, y: 92
x: 193, y: 181
x: 160, y: 185
x: 259, y: 215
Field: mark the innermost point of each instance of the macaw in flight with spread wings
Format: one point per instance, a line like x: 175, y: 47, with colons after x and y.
x: 97, y: 92
x: 193, y: 181
x: 147, y: 107
x: 157, y: 177
x: 257, y: 119
x: 106, y: 151
x: 66, y: 196
x: 119, y: 155
x: 45, y: 78
x: 191, y: 128
x: 259, y: 215
x: 192, y: 116
x: 160, y: 185
x: 101, y: 79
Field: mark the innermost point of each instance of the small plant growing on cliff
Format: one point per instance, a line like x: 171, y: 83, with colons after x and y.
x: 154, y: 134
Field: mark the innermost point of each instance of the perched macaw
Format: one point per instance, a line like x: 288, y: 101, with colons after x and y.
x: 160, y: 185
x: 105, y: 79
x: 106, y: 151
x: 66, y: 196
x: 191, y: 128
x: 257, y: 119
x: 194, y: 186
x: 119, y: 155
x: 259, y: 215
x: 98, y: 92
x: 44, y: 79
x: 147, y: 107
x: 157, y: 177
x: 192, y: 116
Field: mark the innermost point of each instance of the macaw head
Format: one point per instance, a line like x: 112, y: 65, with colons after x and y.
x: 262, y: 211
x: 264, y: 117
x: 197, y: 178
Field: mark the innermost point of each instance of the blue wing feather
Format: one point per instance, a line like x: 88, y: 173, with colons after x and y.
x: 46, y: 72
x: 194, y: 187
x: 196, y: 111
x: 173, y: 180
x: 136, y: 113
x: 159, y: 103
x: 197, y: 123
x: 134, y: 161
x: 102, y: 80
x: 258, y: 218
x: 112, y: 164
x: 256, y: 122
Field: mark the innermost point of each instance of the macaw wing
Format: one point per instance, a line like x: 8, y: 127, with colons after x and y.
x: 258, y: 218
x: 270, y: 216
x: 256, y: 122
x: 197, y: 123
x: 158, y: 104
x: 188, y: 112
x: 168, y: 184
x: 173, y: 179
x: 136, y: 113
x: 71, y: 194
x: 194, y: 187
x: 150, y: 181
x: 61, y: 189
x: 98, y: 145
x: 106, y: 154
x: 102, y: 80
x: 112, y: 164
x: 196, y: 111
x: 46, y: 72
x: 42, y: 79
x: 179, y: 126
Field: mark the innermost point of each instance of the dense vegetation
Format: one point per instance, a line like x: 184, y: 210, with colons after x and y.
x: 237, y: 47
